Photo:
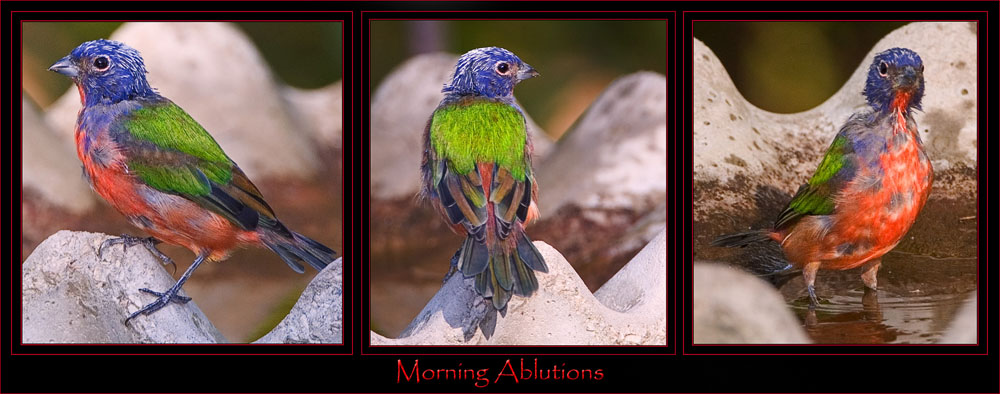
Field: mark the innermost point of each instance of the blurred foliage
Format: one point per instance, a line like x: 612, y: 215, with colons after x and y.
x: 790, y: 67
x: 576, y: 59
x: 301, y: 54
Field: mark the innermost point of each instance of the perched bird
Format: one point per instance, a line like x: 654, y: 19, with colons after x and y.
x: 869, y: 187
x: 157, y: 166
x: 477, y: 173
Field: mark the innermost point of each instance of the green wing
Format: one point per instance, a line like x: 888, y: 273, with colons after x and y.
x: 817, y: 196
x: 170, y: 152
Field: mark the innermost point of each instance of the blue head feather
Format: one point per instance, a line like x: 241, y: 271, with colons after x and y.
x: 489, y: 72
x: 894, y: 71
x: 107, y: 72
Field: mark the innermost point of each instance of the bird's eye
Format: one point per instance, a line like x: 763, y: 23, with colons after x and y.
x: 883, y: 69
x: 101, y: 63
x: 921, y: 68
x: 503, y: 68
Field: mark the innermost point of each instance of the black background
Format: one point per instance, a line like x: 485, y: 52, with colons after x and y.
x: 678, y: 367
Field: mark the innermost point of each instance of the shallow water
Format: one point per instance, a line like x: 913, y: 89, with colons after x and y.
x: 918, y: 297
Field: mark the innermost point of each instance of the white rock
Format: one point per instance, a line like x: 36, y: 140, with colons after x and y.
x: 562, y: 312
x: 641, y: 285
x: 731, y: 306
x: 964, y: 327
x: 214, y: 72
x: 317, y: 316
x: 320, y: 112
x: 72, y: 296
x: 50, y: 166
x: 616, y: 155
x: 400, y: 108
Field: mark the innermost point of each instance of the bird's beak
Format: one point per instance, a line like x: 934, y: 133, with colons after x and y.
x: 526, y: 72
x: 65, y: 67
x: 909, y: 78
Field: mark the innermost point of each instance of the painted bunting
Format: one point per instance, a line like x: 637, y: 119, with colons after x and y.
x: 477, y: 173
x: 157, y: 166
x: 869, y: 187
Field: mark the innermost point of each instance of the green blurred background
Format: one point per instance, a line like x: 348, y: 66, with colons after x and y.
x: 576, y: 59
x: 790, y: 67
x: 302, y: 54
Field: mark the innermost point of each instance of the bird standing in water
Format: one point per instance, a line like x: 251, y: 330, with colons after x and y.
x: 477, y: 173
x: 869, y: 187
x: 157, y: 166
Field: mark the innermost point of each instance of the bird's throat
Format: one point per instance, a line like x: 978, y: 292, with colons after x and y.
x: 83, y: 95
x: 900, y: 104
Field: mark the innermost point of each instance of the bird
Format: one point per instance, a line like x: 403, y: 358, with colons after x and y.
x: 157, y: 166
x: 476, y: 171
x: 869, y: 187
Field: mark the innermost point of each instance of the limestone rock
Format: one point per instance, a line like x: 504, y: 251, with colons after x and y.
x: 731, y: 306
x: 964, y: 328
x: 562, y: 312
x: 319, y: 112
x: 317, y: 316
x: 214, y: 72
x: 400, y: 108
x: 49, y: 166
x: 641, y: 285
x: 616, y: 155
x: 72, y: 296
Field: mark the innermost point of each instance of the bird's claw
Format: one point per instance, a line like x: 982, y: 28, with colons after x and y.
x: 813, y: 301
x: 453, y: 268
x: 164, y: 299
x: 130, y: 240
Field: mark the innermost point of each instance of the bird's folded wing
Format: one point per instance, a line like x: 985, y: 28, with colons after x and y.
x: 818, y: 197
x: 172, y: 153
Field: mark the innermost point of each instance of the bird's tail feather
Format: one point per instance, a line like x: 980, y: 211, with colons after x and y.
x: 300, y: 249
x: 741, y: 239
x: 501, y: 274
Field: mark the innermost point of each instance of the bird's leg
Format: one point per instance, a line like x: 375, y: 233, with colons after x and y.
x: 454, y: 266
x: 171, y: 294
x: 809, y: 274
x: 869, y: 273
x: 130, y: 240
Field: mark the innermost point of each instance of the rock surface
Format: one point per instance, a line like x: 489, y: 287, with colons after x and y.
x: 731, y: 306
x: 319, y: 112
x: 46, y: 161
x: 964, y: 328
x: 317, y: 316
x: 562, y: 312
x: 616, y: 155
x: 72, y: 296
x: 215, y: 73
x: 400, y: 108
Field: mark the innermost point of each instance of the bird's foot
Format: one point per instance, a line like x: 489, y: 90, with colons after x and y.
x: 130, y: 240
x: 813, y: 301
x: 164, y: 299
x: 453, y: 268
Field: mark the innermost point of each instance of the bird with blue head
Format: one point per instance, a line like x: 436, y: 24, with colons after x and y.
x: 869, y: 187
x: 157, y: 166
x: 477, y: 173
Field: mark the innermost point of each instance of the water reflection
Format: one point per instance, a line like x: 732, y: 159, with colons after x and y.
x: 918, y: 297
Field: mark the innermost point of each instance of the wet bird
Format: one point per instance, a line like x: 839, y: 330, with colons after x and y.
x: 157, y: 166
x: 477, y: 173
x: 869, y: 187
